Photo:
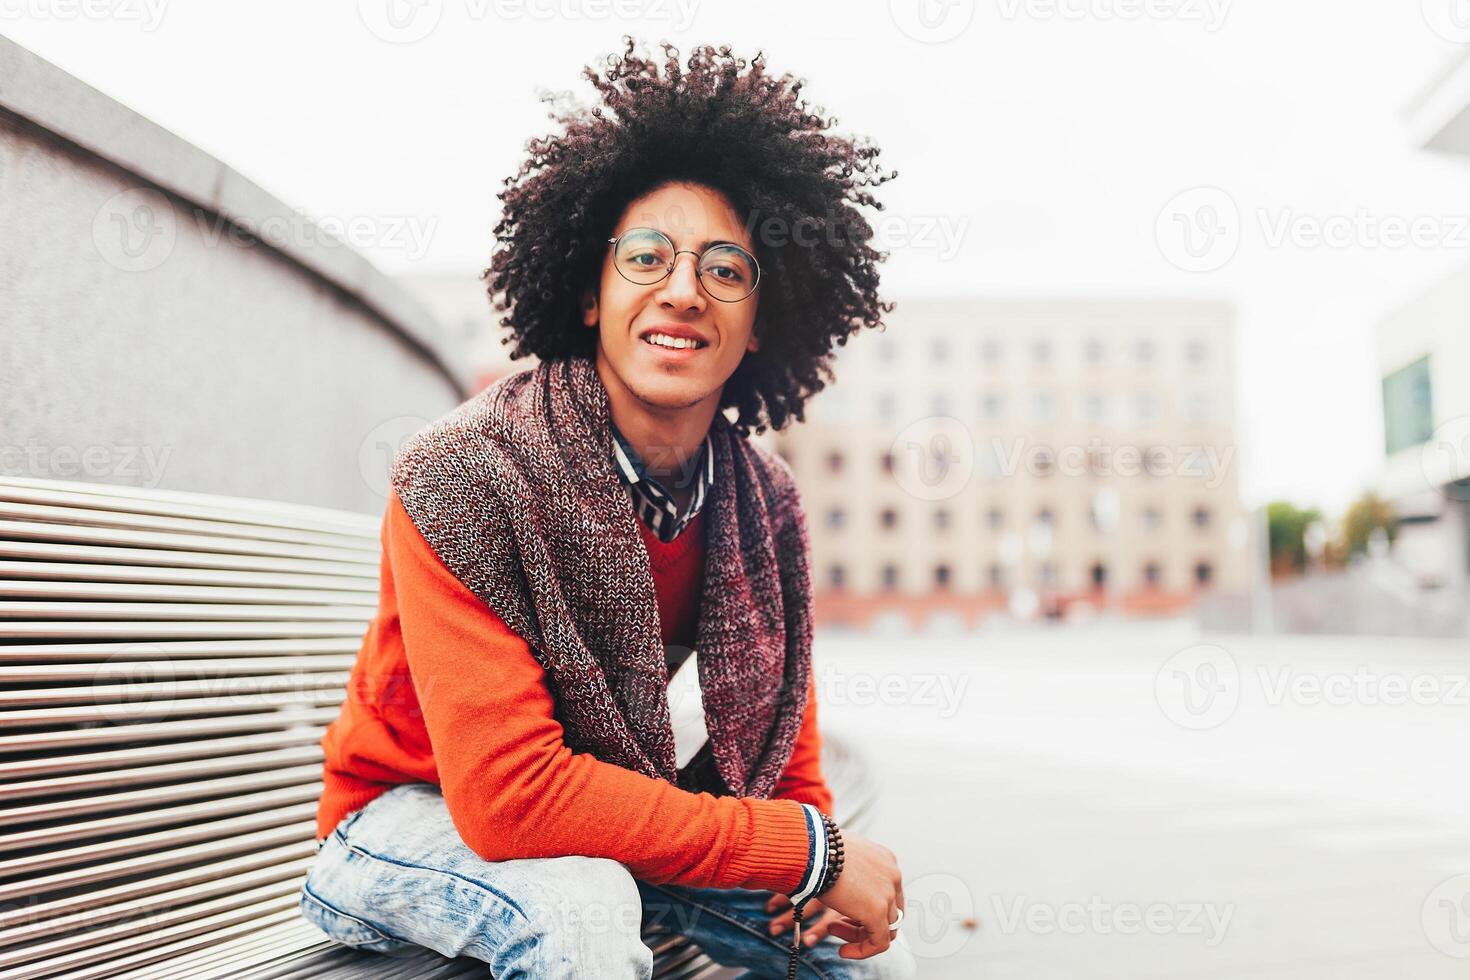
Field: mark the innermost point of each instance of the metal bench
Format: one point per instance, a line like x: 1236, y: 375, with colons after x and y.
x: 168, y: 664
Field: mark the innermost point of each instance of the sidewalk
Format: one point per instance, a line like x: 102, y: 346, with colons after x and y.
x: 1089, y: 835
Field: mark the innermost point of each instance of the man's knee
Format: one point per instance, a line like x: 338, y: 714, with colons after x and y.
x: 590, y: 912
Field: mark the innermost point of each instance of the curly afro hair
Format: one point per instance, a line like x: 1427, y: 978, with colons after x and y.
x: 727, y: 124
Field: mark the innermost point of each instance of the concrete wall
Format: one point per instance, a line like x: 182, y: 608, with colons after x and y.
x: 147, y: 339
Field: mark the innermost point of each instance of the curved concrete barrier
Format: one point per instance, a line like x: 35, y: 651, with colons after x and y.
x: 164, y: 322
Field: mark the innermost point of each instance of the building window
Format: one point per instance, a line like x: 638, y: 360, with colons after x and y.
x: 1046, y: 518
x: 1144, y: 350
x: 1196, y: 352
x: 1152, y: 574
x: 995, y: 518
x: 837, y: 577
x: 1151, y: 518
x: 834, y: 462
x: 887, y: 350
x: 887, y: 463
x: 888, y: 518
x: 1099, y: 575
x: 1203, y: 573
x: 1043, y: 461
x: 836, y: 518
x: 1156, y: 462
x: 1041, y: 351
x: 1043, y: 407
x: 1148, y: 406
x: 1201, y: 517
x: 1048, y: 573
x: 941, y: 518
x: 1093, y: 351
x: 992, y: 406
x: 941, y: 576
x: 1196, y: 407
x: 939, y: 351
x: 939, y: 405
x: 996, y: 576
x: 1092, y: 407
x: 990, y: 351
x: 890, y: 577
x: 1408, y: 415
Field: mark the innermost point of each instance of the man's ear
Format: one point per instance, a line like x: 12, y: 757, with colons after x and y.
x: 755, y: 330
x: 589, y: 308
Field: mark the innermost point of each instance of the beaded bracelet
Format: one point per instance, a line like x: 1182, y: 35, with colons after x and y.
x: 834, y: 855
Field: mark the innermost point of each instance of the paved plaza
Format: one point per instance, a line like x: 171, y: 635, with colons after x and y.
x: 1150, y: 802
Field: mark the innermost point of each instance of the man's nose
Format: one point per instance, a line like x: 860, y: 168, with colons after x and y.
x: 682, y: 287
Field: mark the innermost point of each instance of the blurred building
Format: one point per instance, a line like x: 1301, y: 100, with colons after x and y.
x: 1424, y: 363
x: 1047, y: 457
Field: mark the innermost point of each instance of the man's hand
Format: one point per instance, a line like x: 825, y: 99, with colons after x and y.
x: 868, y: 894
x: 816, y: 918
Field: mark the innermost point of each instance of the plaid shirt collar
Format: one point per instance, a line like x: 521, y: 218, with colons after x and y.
x: 651, y: 501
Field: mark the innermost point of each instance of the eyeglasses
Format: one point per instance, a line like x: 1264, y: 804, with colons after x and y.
x: 646, y: 256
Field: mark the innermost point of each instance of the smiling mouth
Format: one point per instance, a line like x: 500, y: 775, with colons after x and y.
x: 676, y: 345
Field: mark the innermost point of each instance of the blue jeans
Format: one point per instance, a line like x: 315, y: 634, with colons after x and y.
x: 395, y: 875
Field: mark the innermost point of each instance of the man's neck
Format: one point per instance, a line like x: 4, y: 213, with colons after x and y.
x: 666, y: 440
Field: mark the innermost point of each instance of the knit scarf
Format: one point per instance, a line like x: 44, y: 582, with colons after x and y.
x: 516, y: 492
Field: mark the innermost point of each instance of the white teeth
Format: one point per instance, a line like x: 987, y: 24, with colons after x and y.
x: 677, y: 343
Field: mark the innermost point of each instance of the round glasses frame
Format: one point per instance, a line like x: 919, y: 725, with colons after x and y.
x: 698, y: 262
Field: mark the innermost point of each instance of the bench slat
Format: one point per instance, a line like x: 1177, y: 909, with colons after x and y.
x: 183, y: 559
x: 153, y: 500
x: 234, y: 531
x: 100, y: 574
x: 59, y: 653
x: 167, y: 541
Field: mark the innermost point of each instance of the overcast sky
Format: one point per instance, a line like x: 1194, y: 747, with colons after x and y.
x: 1038, y: 143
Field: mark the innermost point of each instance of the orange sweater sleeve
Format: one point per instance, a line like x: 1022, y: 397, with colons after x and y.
x: 515, y: 790
x: 802, y: 779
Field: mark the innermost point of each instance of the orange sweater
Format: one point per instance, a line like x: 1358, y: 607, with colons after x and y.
x: 444, y: 692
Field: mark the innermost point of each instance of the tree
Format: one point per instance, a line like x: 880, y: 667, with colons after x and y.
x: 1368, y: 513
x: 1287, y: 526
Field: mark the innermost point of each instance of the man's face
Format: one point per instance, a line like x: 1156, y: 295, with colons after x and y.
x: 625, y: 313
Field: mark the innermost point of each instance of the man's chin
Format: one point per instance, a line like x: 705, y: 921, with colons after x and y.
x: 668, y: 394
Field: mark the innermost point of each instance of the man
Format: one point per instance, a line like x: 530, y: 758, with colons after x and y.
x: 515, y: 777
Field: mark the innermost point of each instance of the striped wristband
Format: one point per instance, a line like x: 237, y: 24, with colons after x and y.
x: 816, y: 855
